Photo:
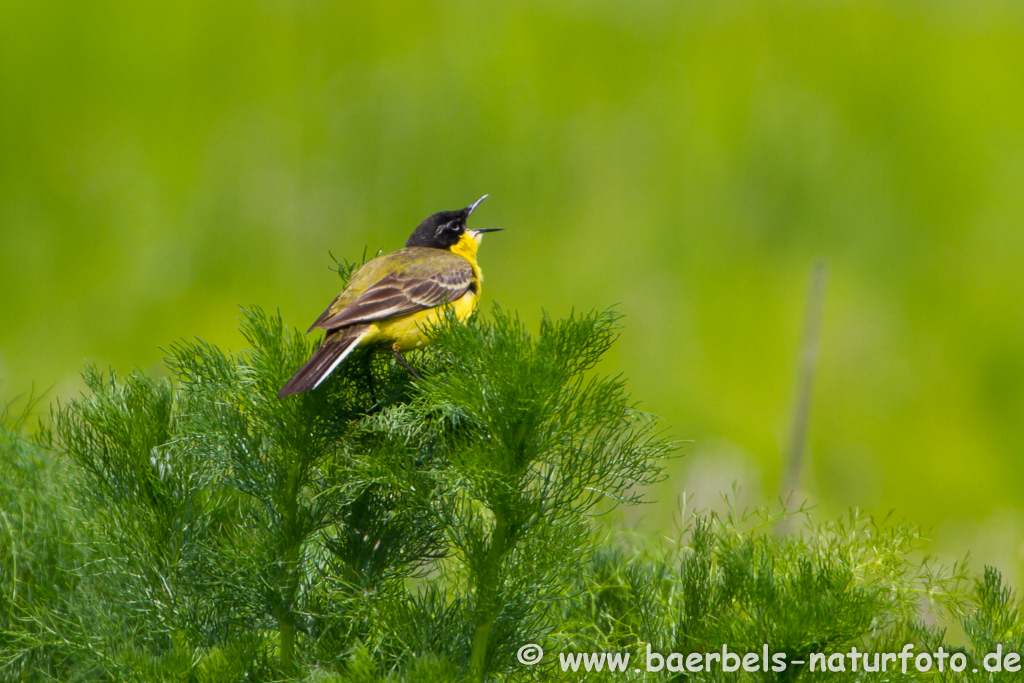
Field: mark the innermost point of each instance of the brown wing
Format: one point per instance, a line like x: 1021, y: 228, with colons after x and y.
x: 405, y: 292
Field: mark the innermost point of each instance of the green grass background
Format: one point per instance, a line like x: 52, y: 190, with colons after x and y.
x: 161, y: 163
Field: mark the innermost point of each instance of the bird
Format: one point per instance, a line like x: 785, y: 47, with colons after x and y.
x: 392, y: 299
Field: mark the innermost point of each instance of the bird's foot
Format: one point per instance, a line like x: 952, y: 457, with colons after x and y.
x: 401, y: 359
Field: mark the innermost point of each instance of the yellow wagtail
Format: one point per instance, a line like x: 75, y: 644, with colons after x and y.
x: 392, y: 298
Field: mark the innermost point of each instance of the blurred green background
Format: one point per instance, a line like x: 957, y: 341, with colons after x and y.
x: 162, y: 163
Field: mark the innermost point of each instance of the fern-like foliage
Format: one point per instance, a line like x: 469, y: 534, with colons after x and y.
x: 388, y: 529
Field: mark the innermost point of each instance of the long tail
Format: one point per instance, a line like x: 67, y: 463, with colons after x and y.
x: 323, y: 362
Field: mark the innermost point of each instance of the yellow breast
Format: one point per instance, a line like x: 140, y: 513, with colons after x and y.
x: 466, y: 248
x: 406, y: 332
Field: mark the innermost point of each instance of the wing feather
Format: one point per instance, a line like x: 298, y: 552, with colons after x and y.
x: 421, y: 285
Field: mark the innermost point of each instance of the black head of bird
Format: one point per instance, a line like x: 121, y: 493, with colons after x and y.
x: 444, y: 229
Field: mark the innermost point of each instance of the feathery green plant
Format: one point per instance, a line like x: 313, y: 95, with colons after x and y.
x: 381, y: 529
x: 38, y: 557
x: 324, y: 501
x: 731, y: 580
x: 532, y: 443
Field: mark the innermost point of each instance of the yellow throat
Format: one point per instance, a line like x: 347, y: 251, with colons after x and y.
x: 466, y: 247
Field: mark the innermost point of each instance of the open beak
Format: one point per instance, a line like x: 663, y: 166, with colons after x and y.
x: 469, y: 210
x: 479, y: 234
x: 472, y: 207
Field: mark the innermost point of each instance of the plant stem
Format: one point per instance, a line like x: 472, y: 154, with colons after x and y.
x: 290, y: 562
x: 286, y: 613
x: 486, y: 588
x: 805, y: 380
x: 287, y: 630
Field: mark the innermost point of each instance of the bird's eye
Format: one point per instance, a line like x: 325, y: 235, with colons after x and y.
x: 454, y: 227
